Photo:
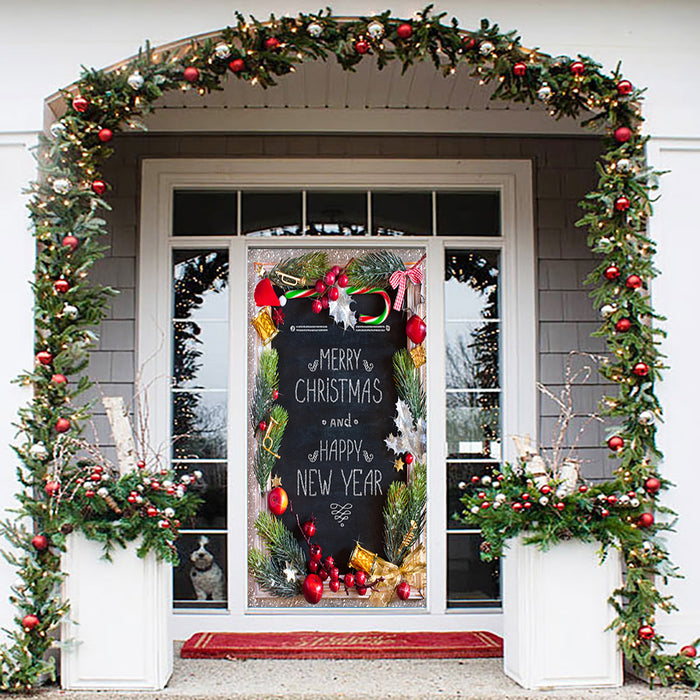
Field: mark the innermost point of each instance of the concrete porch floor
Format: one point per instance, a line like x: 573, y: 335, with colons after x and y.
x: 317, y: 679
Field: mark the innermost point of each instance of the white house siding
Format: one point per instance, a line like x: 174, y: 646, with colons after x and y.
x: 564, y: 172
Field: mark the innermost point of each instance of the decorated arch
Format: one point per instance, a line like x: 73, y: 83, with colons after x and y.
x: 56, y: 495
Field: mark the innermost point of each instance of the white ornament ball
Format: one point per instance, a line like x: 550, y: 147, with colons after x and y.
x: 57, y: 129
x: 486, y: 480
x: 646, y: 417
x: 314, y: 29
x: 222, y: 51
x: 283, y: 300
x: 103, y: 492
x: 624, y: 500
x: 167, y: 484
x: 634, y: 502
x: 544, y: 93
x: 61, y: 185
x: 544, y: 501
x: 462, y: 485
x: 608, y: 310
x: 496, y: 505
x: 602, y: 498
x: 87, y: 485
x: 39, y: 451
x: 163, y: 523
x: 168, y: 512
x: 179, y: 492
x: 135, y: 81
x: 624, y: 165
x: 197, y: 474
x: 375, y: 30
x: 185, y: 478
x: 500, y: 498
x: 70, y: 311
x: 605, y: 244
x: 486, y: 48
x: 475, y: 510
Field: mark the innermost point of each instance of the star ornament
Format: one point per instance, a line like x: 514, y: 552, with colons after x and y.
x: 398, y: 465
x: 278, y: 317
x: 290, y: 572
x: 340, y: 310
x: 276, y: 481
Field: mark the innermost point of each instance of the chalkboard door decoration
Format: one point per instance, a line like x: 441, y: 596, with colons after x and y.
x: 337, y: 437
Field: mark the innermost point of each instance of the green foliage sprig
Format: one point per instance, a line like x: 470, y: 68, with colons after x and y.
x: 374, y: 268
x: 409, y: 385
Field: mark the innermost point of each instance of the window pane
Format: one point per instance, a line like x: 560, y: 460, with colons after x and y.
x: 473, y: 425
x: 402, y: 213
x: 271, y: 213
x: 199, y: 425
x: 462, y: 473
x: 336, y: 213
x: 468, y: 214
x: 201, y: 213
x: 199, y: 581
x: 470, y: 581
x: 472, y: 351
x: 200, y: 354
x: 212, y: 488
x: 200, y: 280
x: 471, y: 284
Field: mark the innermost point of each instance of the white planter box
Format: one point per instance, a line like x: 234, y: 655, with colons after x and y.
x: 555, y: 614
x: 117, y: 627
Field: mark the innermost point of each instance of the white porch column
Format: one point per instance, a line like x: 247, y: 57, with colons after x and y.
x: 676, y: 228
x: 17, y: 168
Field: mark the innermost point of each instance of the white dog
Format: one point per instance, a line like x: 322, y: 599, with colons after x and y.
x: 206, y: 575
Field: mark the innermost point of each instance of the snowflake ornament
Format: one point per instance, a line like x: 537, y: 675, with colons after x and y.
x: 409, y: 438
x: 340, y: 310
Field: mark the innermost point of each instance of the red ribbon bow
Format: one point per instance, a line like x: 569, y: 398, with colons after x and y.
x: 400, y: 279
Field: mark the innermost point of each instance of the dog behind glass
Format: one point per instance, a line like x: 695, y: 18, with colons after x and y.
x: 206, y: 575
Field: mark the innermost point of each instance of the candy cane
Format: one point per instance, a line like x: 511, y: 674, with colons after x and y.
x: 364, y: 318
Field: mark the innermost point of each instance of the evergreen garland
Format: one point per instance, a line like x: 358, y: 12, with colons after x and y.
x: 265, y: 459
x: 266, y: 384
x: 374, y: 268
x: 65, y: 206
x: 305, y: 268
x: 409, y: 386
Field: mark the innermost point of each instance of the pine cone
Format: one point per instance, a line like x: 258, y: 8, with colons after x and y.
x: 566, y: 534
x: 485, y: 547
x: 66, y: 529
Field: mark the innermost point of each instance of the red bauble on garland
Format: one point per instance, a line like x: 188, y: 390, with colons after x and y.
x: 616, y: 443
x: 362, y: 46
x: 277, y: 500
x: 624, y: 87
x: 29, y: 622
x: 80, y: 104
x: 404, y: 31
x: 272, y: 43
x: 623, y: 134
x: 690, y: 651
x: 105, y: 135
x: 44, y: 357
x: 577, y: 68
x: 408, y: 458
x: 191, y: 74
x: 641, y: 369
x: 622, y: 204
x: 70, y: 242
x: 645, y: 520
x: 652, y: 485
x: 612, y: 272
x: 99, y: 187
x: 40, y: 542
x: 237, y: 65
x: 59, y: 379
x: 646, y: 632
x: 62, y: 425
x: 468, y: 43
x: 52, y: 488
x: 520, y: 69
x: 623, y: 325
x: 264, y: 294
x: 633, y: 282
x: 416, y: 329
x: 262, y: 426
x: 61, y: 285
x: 312, y: 588
x: 403, y: 590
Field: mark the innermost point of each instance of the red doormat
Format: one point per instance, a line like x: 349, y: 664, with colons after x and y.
x: 342, y: 645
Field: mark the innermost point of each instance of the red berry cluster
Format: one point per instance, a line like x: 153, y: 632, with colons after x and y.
x: 328, y: 288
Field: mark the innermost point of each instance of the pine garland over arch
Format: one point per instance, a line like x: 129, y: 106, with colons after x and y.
x: 70, y: 192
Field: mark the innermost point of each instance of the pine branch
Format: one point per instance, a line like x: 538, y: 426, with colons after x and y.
x: 405, y: 505
x: 264, y: 461
x: 409, y: 385
x: 279, y: 541
x: 307, y: 268
x: 271, y: 577
x: 266, y: 383
x: 375, y: 268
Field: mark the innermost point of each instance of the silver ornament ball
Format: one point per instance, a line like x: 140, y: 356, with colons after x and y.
x: 544, y: 501
x: 57, y: 129
x: 634, y: 502
x: 314, y: 29
x: 486, y: 480
x: 462, y: 485
x: 283, y: 300
x: 646, y: 417
x: 544, y: 93
x: 486, y: 48
x: 375, y: 30
x: 608, y: 310
x: 222, y: 51
x: 70, y: 311
x: 624, y: 165
x: 135, y: 81
x: 39, y: 451
x: 61, y: 185
x: 475, y: 510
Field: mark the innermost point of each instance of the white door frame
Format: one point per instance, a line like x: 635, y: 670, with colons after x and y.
x: 513, y: 178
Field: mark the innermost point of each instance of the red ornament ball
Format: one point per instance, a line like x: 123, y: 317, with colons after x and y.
x: 29, y: 622
x: 520, y: 69
x: 52, y: 488
x: 40, y: 542
x: 151, y: 512
x: 191, y: 74
x: 275, y: 395
x: 546, y: 490
x: 616, y: 443
x: 361, y: 46
x: 99, y: 187
x: 623, y: 134
x: 349, y: 580
x: 343, y: 280
x: 404, y: 31
x: 403, y: 590
x: 262, y: 426
x: 312, y: 589
x: 624, y: 87
x: 652, y: 485
x: 316, y: 306
x: 360, y: 578
x: 277, y: 500
x: 315, y: 552
x: 44, y: 357
x: 583, y: 488
x: 334, y: 585
x: 623, y: 325
x: 604, y: 513
x: 622, y: 204
x: 612, y: 272
x: 641, y: 369
x: 612, y: 499
x: 62, y: 425
x: 272, y: 43
x: 646, y: 632
x: 309, y: 529
x: 416, y: 329
x: 61, y: 286
x: 105, y: 135
x: 141, y: 464
x: 645, y: 520
x: 468, y: 43
x: 80, y: 104
x: 237, y: 65
x: 634, y: 282
x: 517, y: 506
x: 70, y: 242
x: 690, y: 651
x: 408, y: 458
x: 560, y: 506
x: 577, y: 68
x: 333, y: 294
